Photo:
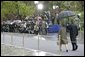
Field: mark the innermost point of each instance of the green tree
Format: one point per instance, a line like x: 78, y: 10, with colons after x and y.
x: 10, y: 9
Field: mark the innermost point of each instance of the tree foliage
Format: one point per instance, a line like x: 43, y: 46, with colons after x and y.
x: 10, y: 9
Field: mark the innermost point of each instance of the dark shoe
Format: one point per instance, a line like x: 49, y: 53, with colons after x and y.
x: 66, y: 50
x: 76, y: 47
x: 73, y: 49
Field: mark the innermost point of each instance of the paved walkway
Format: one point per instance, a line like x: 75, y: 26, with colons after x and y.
x: 13, y: 51
x: 47, y: 46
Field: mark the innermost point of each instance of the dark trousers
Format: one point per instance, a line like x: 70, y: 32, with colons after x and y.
x: 74, y: 42
x: 35, y: 32
x: 45, y: 30
x: 40, y: 30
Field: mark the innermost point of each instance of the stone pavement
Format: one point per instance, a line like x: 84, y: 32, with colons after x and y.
x: 47, y: 44
x: 13, y: 51
x: 16, y: 51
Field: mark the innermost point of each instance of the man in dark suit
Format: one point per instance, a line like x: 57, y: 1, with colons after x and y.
x: 73, y: 34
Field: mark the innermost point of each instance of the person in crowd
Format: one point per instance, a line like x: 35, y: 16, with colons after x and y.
x: 44, y: 27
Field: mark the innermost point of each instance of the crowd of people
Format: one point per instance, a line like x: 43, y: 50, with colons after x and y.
x: 28, y: 25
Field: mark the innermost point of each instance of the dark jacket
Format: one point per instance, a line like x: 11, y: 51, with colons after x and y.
x: 73, y: 30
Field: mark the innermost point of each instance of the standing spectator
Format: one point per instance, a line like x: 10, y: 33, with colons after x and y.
x: 44, y: 27
x: 36, y: 28
x: 39, y: 23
